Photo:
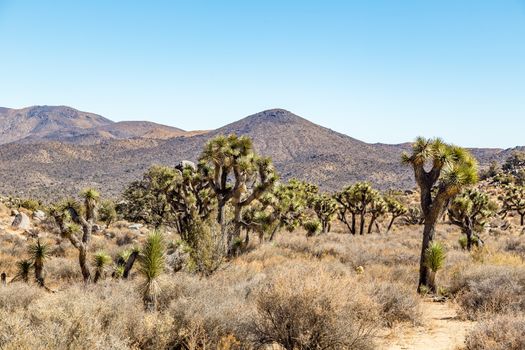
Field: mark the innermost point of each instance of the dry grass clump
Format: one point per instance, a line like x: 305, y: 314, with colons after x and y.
x: 397, y: 302
x: 501, y: 333
x: 95, y: 317
x: 489, y: 289
x: 18, y: 296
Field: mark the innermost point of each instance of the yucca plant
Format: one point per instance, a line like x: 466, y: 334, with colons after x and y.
x: 39, y: 253
x: 151, y: 266
x: 434, y: 261
x: 100, y: 260
x: 23, y: 268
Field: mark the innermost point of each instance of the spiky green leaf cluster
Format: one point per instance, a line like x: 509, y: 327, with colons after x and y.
x: 152, y: 256
x: 435, y: 256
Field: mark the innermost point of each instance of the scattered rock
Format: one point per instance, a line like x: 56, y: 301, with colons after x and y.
x: 21, y: 222
x: 14, y: 212
x: 186, y: 164
x: 178, y: 259
x: 39, y: 215
x: 97, y: 229
x: 135, y: 226
x: 32, y: 233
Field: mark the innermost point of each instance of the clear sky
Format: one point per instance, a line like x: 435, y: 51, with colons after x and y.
x: 379, y: 71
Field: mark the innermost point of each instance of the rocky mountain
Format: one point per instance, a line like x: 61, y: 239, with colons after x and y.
x: 65, y: 124
x: 40, y: 121
x: 111, y: 155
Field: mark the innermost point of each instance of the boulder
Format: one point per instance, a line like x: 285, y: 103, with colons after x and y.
x: 21, y: 221
x: 39, y: 215
x: 186, y: 164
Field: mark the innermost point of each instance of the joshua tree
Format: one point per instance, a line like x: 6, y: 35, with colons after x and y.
x: 39, y: 253
x: 396, y: 209
x: 377, y: 208
x: 237, y: 176
x: 190, y: 197
x: 3, y: 279
x: 356, y: 200
x: 100, y: 260
x: 451, y: 168
x: 75, y: 223
x: 151, y: 261
x: 107, y: 212
x: 514, y: 200
x: 284, y: 207
x: 146, y: 200
x: 23, y: 268
x: 347, y: 206
x: 434, y: 259
x: 470, y: 211
x: 325, y: 208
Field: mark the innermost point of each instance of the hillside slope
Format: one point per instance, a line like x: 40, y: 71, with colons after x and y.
x: 110, y: 156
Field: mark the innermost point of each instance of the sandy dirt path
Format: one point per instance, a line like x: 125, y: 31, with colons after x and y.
x: 441, y: 330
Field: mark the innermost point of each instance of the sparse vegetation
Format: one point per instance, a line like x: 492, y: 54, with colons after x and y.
x: 186, y: 288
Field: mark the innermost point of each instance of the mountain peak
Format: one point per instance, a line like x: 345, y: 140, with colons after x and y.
x: 276, y: 115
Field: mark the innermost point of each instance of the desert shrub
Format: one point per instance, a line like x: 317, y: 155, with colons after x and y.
x: 515, y: 245
x: 501, y: 333
x: 65, y: 269
x: 397, y: 302
x: 313, y: 312
x: 126, y: 237
x: 30, y: 204
x: 18, y: 296
x: 205, y: 310
x: 489, y: 289
x: 104, y: 316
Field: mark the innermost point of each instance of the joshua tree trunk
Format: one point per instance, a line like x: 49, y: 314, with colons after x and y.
x: 362, y: 224
x: 353, y: 224
x: 371, y: 224
x: 82, y: 259
x: 522, y: 219
x: 129, y: 264
x: 276, y: 228
x: 97, y: 276
x: 390, y: 224
x: 4, y: 279
x: 432, y: 281
x: 39, y: 272
x: 424, y: 271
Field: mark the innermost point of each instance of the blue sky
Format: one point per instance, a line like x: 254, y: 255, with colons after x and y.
x: 379, y: 71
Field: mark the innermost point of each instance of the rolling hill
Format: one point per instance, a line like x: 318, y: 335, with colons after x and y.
x: 109, y: 155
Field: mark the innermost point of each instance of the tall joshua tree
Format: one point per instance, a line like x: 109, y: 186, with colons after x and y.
x: 470, y: 211
x: 39, y: 253
x: 237, y: 176
x: 450, y: 169
x: 75, y: 222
